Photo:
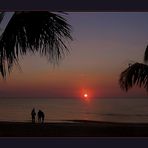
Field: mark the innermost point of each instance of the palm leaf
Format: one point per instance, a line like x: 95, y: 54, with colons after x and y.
x: 146, y: 55
x: 1, y: 16
x: 42, y: 32
x: 136, y: 74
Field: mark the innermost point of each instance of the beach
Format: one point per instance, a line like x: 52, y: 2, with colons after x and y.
x: 73, y: 128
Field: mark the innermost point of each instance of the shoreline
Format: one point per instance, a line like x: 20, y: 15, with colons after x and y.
x: 73, y: 128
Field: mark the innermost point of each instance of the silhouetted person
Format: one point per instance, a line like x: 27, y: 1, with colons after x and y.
x: 41, y: 116
x: 33, y: 114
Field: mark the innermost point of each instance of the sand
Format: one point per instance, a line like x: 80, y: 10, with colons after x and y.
x: 75, y: 128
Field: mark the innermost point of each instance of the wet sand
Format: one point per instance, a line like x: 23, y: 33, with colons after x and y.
x: 75, y: 128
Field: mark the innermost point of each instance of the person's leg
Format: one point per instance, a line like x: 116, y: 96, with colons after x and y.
x: 39, y: 119
x: 32, y: 119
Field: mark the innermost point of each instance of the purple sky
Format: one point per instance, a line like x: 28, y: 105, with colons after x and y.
x: 104, y: 43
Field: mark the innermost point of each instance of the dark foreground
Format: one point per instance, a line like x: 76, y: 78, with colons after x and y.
x: 75, y: 128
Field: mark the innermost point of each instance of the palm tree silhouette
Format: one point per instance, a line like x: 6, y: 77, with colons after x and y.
x: 35, y: 31
x: 135, y: 74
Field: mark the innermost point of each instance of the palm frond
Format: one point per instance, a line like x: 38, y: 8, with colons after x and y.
x: 146, y: 55
x: 1, y: 16
x: 136, y: 74
x: 42, y: 32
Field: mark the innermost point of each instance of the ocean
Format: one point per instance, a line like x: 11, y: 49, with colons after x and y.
x: 58, y: 110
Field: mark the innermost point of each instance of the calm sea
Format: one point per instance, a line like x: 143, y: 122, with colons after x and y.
x: 116, y: 110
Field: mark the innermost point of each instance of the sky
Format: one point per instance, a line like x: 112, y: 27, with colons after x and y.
x: 104, y: 43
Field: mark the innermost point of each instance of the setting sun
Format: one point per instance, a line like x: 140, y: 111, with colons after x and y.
x: 85, y: 95
x: 86, y: 98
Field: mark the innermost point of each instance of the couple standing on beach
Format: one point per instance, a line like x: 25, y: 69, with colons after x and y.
x: 41, y: 116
